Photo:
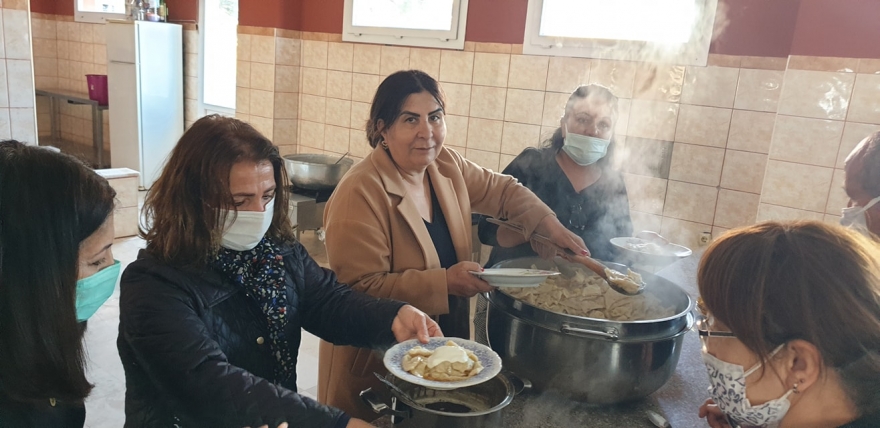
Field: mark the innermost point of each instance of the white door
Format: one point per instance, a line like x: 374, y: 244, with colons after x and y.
x: 219, y: 41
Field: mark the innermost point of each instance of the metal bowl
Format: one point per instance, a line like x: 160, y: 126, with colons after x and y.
x: 316, y: 172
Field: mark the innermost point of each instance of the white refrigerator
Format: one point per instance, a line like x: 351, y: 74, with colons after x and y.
x: 145, y: 85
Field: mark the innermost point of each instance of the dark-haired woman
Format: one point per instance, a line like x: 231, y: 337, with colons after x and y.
x: 211, y: 312
x: 398, y: 225
x: 572, y: 174
x: 56, y: 270
x: 791, y: 328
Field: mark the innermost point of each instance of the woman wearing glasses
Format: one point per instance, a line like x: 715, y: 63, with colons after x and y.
x: 791, y: 336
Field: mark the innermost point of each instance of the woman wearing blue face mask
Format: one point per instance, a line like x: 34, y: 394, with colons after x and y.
x: 791, y: 327
x: 56, y: 270
x: 212, y: 311
x: 572, y: 174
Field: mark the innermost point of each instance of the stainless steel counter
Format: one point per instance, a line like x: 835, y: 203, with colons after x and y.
x: 678, y: 400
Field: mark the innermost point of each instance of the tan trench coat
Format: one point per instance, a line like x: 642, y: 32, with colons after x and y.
x: 377, y: 241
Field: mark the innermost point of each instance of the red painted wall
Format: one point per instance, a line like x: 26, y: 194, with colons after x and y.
x: 494, y: 21
x: 754, y: 27
x: 321, y: 16
x: 183, y: 10
x: 270, y: 13
x: 46, y: 6
x: 849, y: 29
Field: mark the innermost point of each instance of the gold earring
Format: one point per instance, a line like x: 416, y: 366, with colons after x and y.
x: 794, y: 389
x: 384, y: 144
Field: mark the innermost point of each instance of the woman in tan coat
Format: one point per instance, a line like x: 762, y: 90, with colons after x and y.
x: 399, y: 225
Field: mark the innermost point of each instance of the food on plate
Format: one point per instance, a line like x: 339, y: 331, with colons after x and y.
x: 630, y: 282
x: 648, y: 248
x: 447, y: 363
x: 588, y: 295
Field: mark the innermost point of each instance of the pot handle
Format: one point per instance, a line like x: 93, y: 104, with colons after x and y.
x: 520, y: 384
x: 610, y: 333
x: 370, y: 398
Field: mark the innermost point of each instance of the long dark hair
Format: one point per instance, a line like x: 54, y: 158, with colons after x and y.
x: 49, y: 204
x: 185, y: 205
x: 390, y: 96
x: 556, y: 140
x: 775, y: 282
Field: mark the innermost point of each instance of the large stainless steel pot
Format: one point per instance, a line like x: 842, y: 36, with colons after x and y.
x: 590, y: 360
x: 316, y: 172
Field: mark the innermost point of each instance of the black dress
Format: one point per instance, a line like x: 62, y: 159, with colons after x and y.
x: 596, y: 214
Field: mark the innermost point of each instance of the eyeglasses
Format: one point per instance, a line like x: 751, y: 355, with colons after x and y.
x: 702, y: 326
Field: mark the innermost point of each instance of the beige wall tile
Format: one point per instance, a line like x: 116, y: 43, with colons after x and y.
x: 360, y: 114
x: 706, y: 126
x: 243, y: 100
x: 831, y: 219
x: 504, y: 161
x: 837, y: 198
x: 264, y: 125
x: 21, y: 83
x: 644, y: 221
x: 16, y: 34
x: 23, y: 122
x: 528, y: 72
x: 339, y: 84
x: 710, y: 86
x: 312, y: 108
x: 340, y: 56
x: 566, y: 74
x: 5, y: 125
x: 743, y: 171
x: 263, y: 49
x: 758, y: 90
x: 751, y: 131
x: 484, y: 134
x: 314, y: 54
x: 484, y: 159
x: 338, y: 112
x: 287, y: 51
x: 262, y: 103
x: 366, y: 58
x: 458, y: 98
x: 618, y: 76
x: 796, y: 185
x: 869, y: 65
x: 358, y: 144
x: 263, y: 76
x: 312, y: 134
x: 805, y: 140
x: 696, y: 164
x: 393, y: 59
x: 658, y: 82
x: 314, y: 81
x: 769, y: 212
x: 818, y: 63
x: 816, y: 94
x: 554, y: 108
x: 456, y: 67
x: 427, y: 60
x: 652, y: 119
x: 191, y: 87
x: 489, y: 47
x: 457, y: 130
x: 683, y: 232
x: 524, y: 106
x: 721, y: 60
x: 736, y: 209
x: 691, y: 202
x: 646, y: 194
x: 285, y: 131
x: 286, y: 105
x: 363, y: 87
x: 853, y: 134
x: 491, y: 69
x: 242, y: 74
x: 865, y: 106
x: 518, y: 136
x: 42, y: 28
x: 287, y: 78
x: 623, y: 111
x: 336, y: 139
x: 487, y: 102
x: 45, y: 67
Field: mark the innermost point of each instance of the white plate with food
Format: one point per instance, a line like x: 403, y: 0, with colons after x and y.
x: 645, y: 251
x: 443, y: 363
x: 512, y: 277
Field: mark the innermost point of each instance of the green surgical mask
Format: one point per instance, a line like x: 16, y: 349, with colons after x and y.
x: 93, y: 291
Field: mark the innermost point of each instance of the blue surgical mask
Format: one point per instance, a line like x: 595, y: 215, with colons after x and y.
x: 93, y: 291
x: 583, y: 149
x: 856, y: 217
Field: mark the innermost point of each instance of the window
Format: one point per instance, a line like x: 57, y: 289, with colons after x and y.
x: 675, y: 31
x: 427, y: 23
x: 98, y: 11
x: 219, y: 33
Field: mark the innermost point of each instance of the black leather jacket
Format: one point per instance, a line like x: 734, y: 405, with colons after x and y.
x: 191, y: 344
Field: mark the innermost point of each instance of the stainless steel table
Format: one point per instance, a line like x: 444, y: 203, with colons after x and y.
x: 57, y: 95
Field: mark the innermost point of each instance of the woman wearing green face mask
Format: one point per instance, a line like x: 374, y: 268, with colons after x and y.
x: 56, y: 270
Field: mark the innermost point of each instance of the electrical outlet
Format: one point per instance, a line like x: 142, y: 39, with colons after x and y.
x: 705, y: 238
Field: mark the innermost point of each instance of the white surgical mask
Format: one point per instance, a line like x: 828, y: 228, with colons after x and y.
x: 583, y: 149
x: 727, y: 386
x: 244, y: 231
x: 856, y: 218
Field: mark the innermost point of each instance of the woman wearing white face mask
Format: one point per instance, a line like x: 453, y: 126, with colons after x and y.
x: 211, y: 312
x: 791, y: 334
x: 862, y: 185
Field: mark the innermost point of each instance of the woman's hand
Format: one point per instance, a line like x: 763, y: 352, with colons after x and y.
x: 459, y: 281
x: 553, y: 229
x: 357, y: 423
x: 411, y: 323
x: 714, y: 416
